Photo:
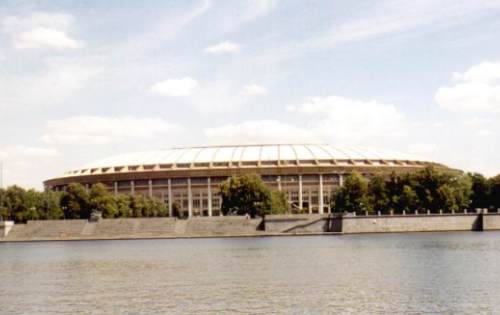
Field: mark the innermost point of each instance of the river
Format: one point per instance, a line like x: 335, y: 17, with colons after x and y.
x: 425, y: 273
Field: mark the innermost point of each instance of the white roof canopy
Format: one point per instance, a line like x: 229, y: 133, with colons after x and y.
x: 246, y: 153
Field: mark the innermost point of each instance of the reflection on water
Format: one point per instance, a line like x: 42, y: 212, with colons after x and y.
x: 426, y: 273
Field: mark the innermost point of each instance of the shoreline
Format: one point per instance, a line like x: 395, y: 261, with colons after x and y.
x: 240, y: 227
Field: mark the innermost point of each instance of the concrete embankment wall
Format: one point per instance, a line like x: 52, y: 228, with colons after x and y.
x: 132, y: 228
x: 491, y: 222
x: 349, y: 224
x: 240, y: 226
x: 297, y: 223
x: 411, y: 223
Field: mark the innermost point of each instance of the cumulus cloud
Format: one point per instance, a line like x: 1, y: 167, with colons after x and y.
x: 83, y: 130
x: 265, y: 131
x: 175, y: 87
x: 40, y: 30
x: 254, y: 90
x: 476, y: 90
x: 222, y: 48
x: 341, y: 119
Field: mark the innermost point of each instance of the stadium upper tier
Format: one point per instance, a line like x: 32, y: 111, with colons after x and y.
x: 277, y: 155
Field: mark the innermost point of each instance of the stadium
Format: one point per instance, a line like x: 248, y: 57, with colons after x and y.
x: 308, y: 174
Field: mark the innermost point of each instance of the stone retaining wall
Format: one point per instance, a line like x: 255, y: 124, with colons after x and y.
x: 411, y: 223
x: 491, y: 222
x: 240, y: 226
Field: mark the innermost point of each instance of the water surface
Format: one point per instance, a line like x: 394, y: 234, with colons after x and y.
x: 426, y: 273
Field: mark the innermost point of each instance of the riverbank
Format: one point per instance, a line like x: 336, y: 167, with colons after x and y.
x: 274, y: 225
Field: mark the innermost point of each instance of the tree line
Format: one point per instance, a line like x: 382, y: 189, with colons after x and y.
x: 20, y: 205
x: 429, y: 189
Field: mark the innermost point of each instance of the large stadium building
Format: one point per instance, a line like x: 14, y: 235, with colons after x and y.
x: 308, y: 174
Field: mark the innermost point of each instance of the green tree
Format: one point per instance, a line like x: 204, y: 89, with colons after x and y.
x: 494, y: 198
x: 279, y: 204
x: 75, y: 202
x: 16, y: 203
x: 123, y: 209
x: 50, y: 205
x: 408, y: 200
x: 100, y: 199
x: 480, y: 191
x: 377, y: 194
x: 352, y: 196
x: 245, y: 194
x: 139, y: 206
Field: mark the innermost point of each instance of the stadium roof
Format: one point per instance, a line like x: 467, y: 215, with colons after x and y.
x: 234, y: 155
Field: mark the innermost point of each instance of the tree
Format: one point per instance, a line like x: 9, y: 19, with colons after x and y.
x: 50, y: 205
x: 352, y: 196
x: 408, y: 199
x: 100, y: 199
x: 279, y: 204
x: 75, y: 202
x: 480, y: 191
x: 377, y: 194
x: 16, y: 204
x: 139, y: 206
x: 494, y: 184
x: 176, y: 210
x: 123, y: 209
x: 246, y: 194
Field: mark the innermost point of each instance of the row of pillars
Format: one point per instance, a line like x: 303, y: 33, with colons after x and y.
x: 209, y: 193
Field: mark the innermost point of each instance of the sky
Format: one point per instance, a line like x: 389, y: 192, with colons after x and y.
x: 83, y: 80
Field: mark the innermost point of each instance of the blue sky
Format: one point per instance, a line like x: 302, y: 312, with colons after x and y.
x: 82, y: 80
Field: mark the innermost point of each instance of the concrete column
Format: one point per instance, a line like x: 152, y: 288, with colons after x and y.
x: 87, y: 187
x: 132, y: 187
x: 116, y: 188
x: 321, y: 210
x: 190, y: 199
x: 209, y: 193
x: 310, y: 202
x: 170, y: 199
x: 300, y: 192
x: 341, y: 180
x: 150, y: 188
x: 279, y: 183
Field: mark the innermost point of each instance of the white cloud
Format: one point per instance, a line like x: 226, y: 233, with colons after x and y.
x: 224, y: 47
x: 83, y: 130
x: 477, y: 90
x: 40, y: 30
x: 345, y: 120
x: 254, y: 90
x: 175, y: 87
x: 265, y: 131
x: 21, y: 162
